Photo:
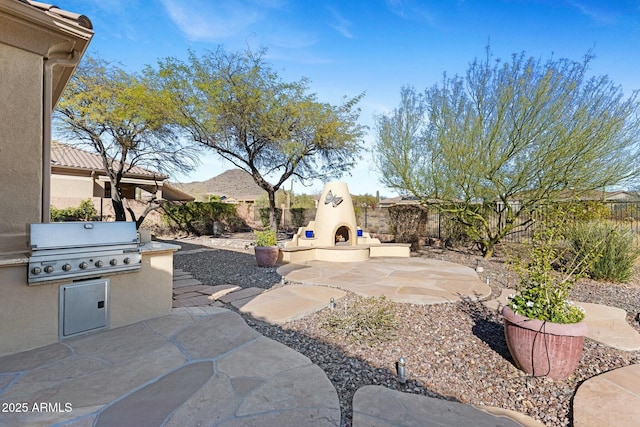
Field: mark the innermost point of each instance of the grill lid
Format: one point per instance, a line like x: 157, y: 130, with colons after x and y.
x: 72, y: 250
x: 63, y: 235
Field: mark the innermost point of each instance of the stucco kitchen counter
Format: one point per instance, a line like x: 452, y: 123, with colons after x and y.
x: 154, y: 246
x: 13, y: 259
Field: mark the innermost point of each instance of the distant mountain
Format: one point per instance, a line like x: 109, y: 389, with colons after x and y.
x: 234, y: 184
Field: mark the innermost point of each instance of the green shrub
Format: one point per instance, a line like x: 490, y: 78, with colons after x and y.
x: 83, y: 212
x: 408, y: 224
x: 543, y: 290
x: 266, y: 237
x: 297, y: 217
x: 264, y: 216
x: 618, y: 252
x: 454, y: 233
x: 198, y: 217
x: 366, y: 320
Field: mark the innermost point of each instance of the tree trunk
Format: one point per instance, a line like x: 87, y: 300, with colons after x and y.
x: 273, y: 218
x: 118, y: 208
x: 151, y: 206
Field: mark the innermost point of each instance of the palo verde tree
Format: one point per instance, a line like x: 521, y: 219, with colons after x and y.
x: 236, y: 104
x: 494, y: 145
x: 119, y: 116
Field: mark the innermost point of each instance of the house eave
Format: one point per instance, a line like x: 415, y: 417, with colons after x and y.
x: 49, y: 35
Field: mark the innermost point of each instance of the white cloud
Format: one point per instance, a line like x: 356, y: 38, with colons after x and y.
x: 201, y: 20
x: 597, y: 13
x: 411, y: 10
x: 341, y: 24
x: 292, y: 39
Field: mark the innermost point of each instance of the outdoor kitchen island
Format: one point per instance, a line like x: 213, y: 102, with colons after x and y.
x: 41, y: 45
x: 29, y: 314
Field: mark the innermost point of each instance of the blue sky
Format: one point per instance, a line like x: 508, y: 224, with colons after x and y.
x: 374, y: 46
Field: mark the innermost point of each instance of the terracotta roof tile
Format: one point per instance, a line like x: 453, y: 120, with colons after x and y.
x: 65, y: 155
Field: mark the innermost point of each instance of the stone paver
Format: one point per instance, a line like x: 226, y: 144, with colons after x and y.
x: 195, y: 302
x: 198, y: 366
x: 186, y: 295
x: 241, y: 294
x: 609, y: 399
x: 406, y: 280
x: 204, y: 365
x: 290, y: 302
x: 219, y: 291
x: 383, y: 407
x: 181, y: 283
x: 202, y: 289
x: 150, y: 405
x: 607, y: 325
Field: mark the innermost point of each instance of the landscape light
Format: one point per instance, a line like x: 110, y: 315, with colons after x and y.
x: 402, y: 370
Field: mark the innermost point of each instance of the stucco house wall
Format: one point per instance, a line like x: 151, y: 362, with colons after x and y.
x: 21, y: 160
x: 39, y: 49
x: 71, y: 187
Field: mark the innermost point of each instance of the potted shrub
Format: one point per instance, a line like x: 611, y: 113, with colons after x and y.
x: 266, y: 250
x: 543, y: 329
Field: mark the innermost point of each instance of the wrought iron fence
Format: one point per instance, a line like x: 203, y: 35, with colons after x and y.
x: 625, y: 213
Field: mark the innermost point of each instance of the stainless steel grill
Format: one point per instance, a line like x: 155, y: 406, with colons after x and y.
x: 70, y: 250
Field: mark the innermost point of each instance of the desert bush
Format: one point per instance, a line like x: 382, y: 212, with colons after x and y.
x: 365, y: 320
x: 618, y: 249
x: 579, y: 211
x: 408, y: 224
x: 85, y: 211
x: 454, y: 233
x: 198, y: 217
x: 298, y: 217
x: 264, y: 216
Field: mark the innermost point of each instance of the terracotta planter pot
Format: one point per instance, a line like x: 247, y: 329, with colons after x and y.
x: 266, y: 256
x: 543, y: 348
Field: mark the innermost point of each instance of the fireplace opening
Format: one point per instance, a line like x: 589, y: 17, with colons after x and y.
x: 342, y: 236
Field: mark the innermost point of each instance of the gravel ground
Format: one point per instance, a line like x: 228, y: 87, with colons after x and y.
x: 453, y: 351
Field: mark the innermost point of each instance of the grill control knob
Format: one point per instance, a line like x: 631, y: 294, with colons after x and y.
x: 66, y: 267
x: 99, y: 264
x: 113, y: 261
x: 127, y: 260
x: 48, y: 269
x: 83, y: 265
x: 36, y: 270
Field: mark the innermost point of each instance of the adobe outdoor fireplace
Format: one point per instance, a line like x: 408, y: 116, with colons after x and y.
x: 73, y: 250
x: 334, y: 235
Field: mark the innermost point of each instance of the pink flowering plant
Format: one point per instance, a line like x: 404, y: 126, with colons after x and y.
x: 547, y: 276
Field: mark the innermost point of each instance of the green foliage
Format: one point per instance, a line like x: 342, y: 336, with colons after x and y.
x: 267, y: 237
x: 84, y: 212
x: 543, y: 290
x: 265, y: 218
x: 455, y: 234
x: 198, y: 217
x: 280, y: 198
x: 236, y: 104
x: 576, y: 211
x: 298, y: 217
x: 119, y: 116
x: 363, y: 202
x: 511, y: 136
x: 408, y: 224
x: 367, y: 320
x: 303, y: 201
x: 619, y: 249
